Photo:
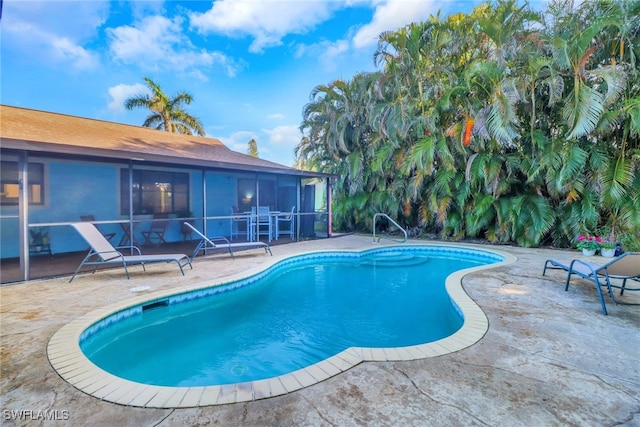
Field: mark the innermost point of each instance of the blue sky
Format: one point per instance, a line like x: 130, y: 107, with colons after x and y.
x: 250, y: 65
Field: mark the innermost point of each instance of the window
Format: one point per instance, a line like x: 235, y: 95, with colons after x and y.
x: 155, y: 192
x: 11, y: 185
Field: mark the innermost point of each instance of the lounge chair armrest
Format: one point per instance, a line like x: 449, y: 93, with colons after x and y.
x: 593, y: 268
x: 135, y: 248
x: 219, y: 239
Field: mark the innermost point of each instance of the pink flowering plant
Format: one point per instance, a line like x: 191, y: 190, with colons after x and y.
x: 589, y: 243
x: 608, y: 242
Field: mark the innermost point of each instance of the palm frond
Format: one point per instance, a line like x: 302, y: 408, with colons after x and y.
x: 615, y: 79
x: 583, y: 110
x: 632, y: 108
x: 617, y: 180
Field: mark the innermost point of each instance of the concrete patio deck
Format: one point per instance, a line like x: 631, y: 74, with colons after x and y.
x: 549, y: 357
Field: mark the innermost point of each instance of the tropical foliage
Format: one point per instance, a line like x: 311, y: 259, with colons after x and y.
x: 503, y: 124
x: 166, y: 113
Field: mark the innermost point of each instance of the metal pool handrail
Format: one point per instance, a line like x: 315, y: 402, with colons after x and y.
x: 375, y: 217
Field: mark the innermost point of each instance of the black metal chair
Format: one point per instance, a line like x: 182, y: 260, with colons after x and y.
x: 155, y: 234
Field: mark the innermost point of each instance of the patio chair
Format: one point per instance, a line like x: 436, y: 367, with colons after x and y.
x: 625, y: 267
x: 91, y: 218
x: 261, y: 223
x: 209, y: 243
x: 103, y: 253
x: 288, y: 219
x: 155, y: 234
x: 236, y: 220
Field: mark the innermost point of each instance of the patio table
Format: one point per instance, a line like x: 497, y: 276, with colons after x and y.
x: 125, y: 239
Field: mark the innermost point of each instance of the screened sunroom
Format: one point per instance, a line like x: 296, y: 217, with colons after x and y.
x: 138, y: 186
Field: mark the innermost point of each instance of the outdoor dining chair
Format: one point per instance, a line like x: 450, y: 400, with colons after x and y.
x: 155, y: 234
x: 261, y: 223
x: 290, y: 220
x: 238, y: 223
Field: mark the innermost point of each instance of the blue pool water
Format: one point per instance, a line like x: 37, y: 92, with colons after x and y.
x: 295, y: 314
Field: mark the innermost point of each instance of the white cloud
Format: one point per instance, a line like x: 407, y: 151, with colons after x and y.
x: 389, y: 15
x: 81, y: 18
x: 267, y: 22
x: 122, y: 92
x: 281, y: 144
x: 34, y: 27
x: 276, y: 116
x: 157, y: 42
x: 393, y: 14
x: 332, y: 54
x: 68, y: 52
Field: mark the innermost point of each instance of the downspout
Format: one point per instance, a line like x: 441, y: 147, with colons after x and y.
x: 131, y: 231
x: 204, y: 202
x: 329, y: 212
x: 298, y: 201
x: 23, y: 213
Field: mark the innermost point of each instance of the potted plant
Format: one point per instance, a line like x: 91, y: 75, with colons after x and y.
x: 607, y: 242
x: 607, y: 248
x: 588, y: 244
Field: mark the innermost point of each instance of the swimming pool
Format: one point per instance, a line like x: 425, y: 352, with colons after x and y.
x: 290, y: 355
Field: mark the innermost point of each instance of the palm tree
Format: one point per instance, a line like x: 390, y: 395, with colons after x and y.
x: 252, y: 148
x: 166, y: 114
x: 484, y: 125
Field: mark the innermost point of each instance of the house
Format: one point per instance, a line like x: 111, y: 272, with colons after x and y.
x: 127, y: 179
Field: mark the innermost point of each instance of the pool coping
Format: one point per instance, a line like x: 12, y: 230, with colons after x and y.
x: 67, y: 359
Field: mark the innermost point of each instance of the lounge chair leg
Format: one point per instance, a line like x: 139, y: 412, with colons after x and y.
x: 79, y: 267
x: 566, y: 286
x: 597, y: 283
x: 126, y: 271
x: 76, y: 272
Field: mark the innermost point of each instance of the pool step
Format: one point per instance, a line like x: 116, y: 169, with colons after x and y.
x: 392, y: 259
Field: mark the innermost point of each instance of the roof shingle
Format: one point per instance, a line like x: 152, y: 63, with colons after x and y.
x: 40, y: 131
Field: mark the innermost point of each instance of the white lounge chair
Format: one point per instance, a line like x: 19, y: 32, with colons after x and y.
x: 209, y: 243
x: 625, y: 267
x: 103, y: 253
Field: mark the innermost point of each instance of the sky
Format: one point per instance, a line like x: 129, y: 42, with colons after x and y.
x: 250, y: 65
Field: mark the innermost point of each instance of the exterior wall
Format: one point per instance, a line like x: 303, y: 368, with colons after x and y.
x: 73, y: 188
x: 221, y: 194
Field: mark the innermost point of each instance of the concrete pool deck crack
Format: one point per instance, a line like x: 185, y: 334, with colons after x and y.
x: 320, y: 414
x: 425, y: 394
x: 171, y: 412
x: 565, y: 367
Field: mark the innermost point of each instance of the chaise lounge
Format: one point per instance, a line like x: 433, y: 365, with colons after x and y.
x: 625, y: 267
x: 103, y: 253
x: 209, y: 243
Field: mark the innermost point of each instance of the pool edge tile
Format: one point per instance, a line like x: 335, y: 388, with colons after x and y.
x: 66, y: 358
